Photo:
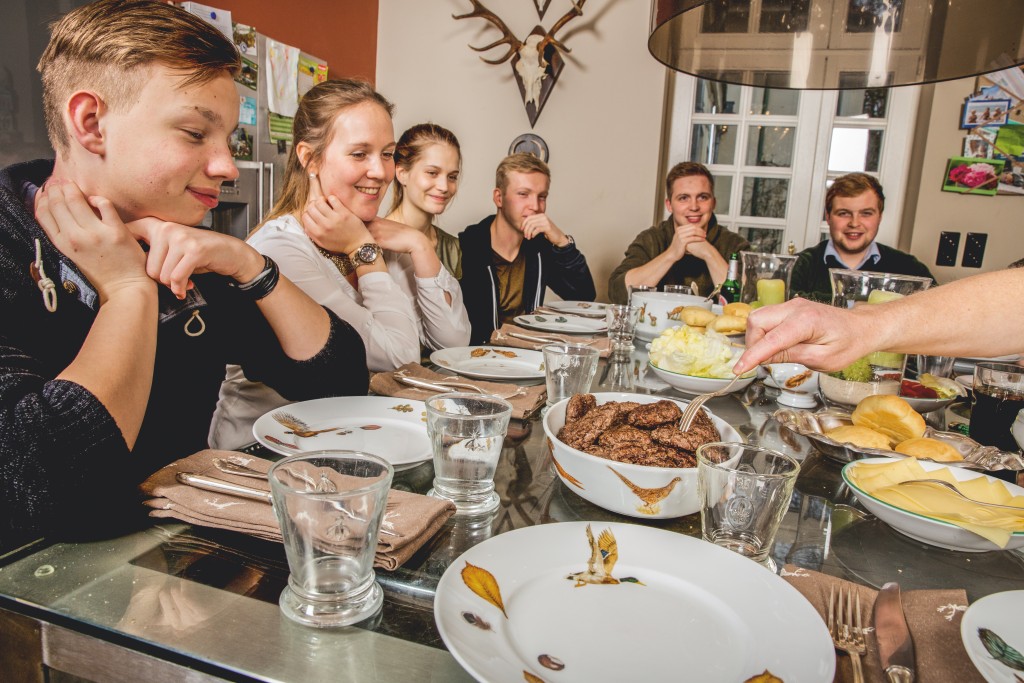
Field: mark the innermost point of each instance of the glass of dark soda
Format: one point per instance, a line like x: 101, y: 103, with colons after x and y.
x: 998, y: 397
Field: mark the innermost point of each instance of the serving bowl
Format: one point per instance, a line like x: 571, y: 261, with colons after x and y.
x: 848, y: 392
x: 927, y: 405
x: 692, y: 384
x: 633, y: 490
x: 655, y: 308
x: 797, y: 383
x: 927, y: 529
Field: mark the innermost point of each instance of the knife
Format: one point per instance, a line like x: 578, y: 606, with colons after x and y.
x: 219, y: 486
x: 895, y: 646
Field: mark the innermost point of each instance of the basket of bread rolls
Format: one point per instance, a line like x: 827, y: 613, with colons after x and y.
x: 886, y: 425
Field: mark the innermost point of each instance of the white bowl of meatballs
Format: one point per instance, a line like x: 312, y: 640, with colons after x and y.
x: 624, y: 452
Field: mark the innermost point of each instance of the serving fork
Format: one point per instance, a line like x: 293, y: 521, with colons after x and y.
x: 691, y: 410
x: 846, y: 628
x: 1012, y: 508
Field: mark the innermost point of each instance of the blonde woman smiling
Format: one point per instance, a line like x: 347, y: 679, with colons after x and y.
x: 382, y: 277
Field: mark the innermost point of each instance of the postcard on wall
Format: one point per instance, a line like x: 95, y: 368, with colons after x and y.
x: 247, y: 110
x: 1009, y: 141
x: 245, y: 40
x: 282, y: 74
x: 241, y: 144
x: 248, y: 74
x: 985, y: 113
x: 219, y: 18
x: 280, y: 127
x: 970, y: 176
x: 977, y: 147
x: 311, y: 72
x: 1005, y: 84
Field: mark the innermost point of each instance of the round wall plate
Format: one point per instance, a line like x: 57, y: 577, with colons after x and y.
x: 530, y: 144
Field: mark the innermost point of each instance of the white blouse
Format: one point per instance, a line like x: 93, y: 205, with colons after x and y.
x: 394, y: 312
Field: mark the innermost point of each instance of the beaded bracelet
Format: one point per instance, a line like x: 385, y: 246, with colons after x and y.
x: 264, y: 283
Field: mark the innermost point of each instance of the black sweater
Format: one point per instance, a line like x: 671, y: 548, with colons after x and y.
x: 64, y: 466
x: 810, y: 278
x: 564, y: 270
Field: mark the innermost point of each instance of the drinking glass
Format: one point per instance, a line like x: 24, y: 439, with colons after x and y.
x: 765, y: 277
x: 998, y: 398
x: 744, y: 492
x: 330, y: 505
x: 677, y: 289
x: 568, y: 369
x: 466, y: 432
x: 621, y: 328
x: 936, y: 366
x: 634, y: 289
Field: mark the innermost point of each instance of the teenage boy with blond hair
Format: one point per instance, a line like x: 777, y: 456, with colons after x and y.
x: 511, y: 257
x: 120, y: 318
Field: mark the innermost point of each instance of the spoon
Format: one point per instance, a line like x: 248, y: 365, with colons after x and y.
x: 954, y: 489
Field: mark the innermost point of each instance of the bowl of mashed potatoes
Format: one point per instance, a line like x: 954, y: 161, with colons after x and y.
x: 696, y: 362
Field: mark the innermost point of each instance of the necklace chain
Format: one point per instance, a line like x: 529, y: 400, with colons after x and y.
x: 341, y: 261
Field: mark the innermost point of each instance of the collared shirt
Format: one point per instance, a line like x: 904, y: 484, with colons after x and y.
x: 873, y: 255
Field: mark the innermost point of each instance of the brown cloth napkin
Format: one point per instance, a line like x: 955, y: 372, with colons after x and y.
x: 412, y: 518
x: 525, y: 400
x: 502, y: 337
x: 933, y: 617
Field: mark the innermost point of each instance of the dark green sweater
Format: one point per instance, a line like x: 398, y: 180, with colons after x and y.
x: 810, y: 277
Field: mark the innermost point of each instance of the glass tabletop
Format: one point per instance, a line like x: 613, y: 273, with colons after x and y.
x: 194, y: 591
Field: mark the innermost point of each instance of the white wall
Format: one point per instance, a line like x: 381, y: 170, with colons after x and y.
x: 602, y: 122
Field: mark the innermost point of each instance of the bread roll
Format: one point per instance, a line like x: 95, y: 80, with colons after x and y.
x: 890, y: 415
x: 737, y: 308
x: 862, y: 437
x: 695, y: 316
x: 729, y: 324
x: 932, y: 449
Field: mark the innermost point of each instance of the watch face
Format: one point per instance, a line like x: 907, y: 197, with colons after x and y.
x: 367, y: 253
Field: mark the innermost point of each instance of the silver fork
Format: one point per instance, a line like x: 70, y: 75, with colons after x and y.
x: 954, y: 489
x: 695, y: 405
x: 846, y: 628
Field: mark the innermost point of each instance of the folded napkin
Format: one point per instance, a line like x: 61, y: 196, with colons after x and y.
x: 933, y: 617
x: 411, y: 520
x: 525, y: 400
x: 502, y: 337
x: 882, y: 480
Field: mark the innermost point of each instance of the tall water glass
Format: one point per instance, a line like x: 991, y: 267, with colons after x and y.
x: 744, y: 492
x: 765, y: 277
x: 330, y: 505
x: 568, y: 369
x: 466, y: 433
x: 998, y: 398
x: 621, y: 322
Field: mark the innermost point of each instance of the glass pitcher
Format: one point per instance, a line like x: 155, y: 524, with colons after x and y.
x: 765, y: 277
x: 879, y: 372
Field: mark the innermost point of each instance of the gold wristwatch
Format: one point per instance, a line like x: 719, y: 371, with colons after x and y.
x: 366, y: 254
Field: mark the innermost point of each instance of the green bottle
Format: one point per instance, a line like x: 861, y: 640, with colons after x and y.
x: 730, y: 292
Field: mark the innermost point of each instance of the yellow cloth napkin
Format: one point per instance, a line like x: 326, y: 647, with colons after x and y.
x: 882, y: 480
x: 411, y: 520
x: 525, y: 400
x: 933, y: 617
x: 503, y: 337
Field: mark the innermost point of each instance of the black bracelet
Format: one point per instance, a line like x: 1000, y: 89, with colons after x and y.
x: 264, y: 283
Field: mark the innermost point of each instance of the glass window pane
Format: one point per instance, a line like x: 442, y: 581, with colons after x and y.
x: 723, y: 192
x: 726, y: 16
x: 784, y: 16
x: 763, y: 240
x: 855, y: 149
x: 717, y: 98
x: 765, y: 197
x: 773, y: 101
x: 864, y: 16
x: 770, y: 146
x: 713, y: 144
x: 870, y: 103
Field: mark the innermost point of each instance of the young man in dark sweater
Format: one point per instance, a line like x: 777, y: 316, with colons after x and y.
x: 119, y: 317
x: 853, y: 211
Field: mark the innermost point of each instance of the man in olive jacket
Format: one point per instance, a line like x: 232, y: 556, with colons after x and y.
x: 689, y: 246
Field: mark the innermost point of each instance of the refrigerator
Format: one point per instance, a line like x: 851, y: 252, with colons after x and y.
x: 262, y: 140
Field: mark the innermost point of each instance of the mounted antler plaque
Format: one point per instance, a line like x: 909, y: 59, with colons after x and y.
x: 536, y: 61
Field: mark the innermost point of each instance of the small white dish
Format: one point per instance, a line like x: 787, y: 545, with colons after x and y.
x: 997, y: 614
x: 689, y: 384
x: 797, y: 384
x: 927, y: 405
x: 927, y: 529
x: 672, y: 607
x: 577, y: 306
x: 491, y: 362
x: 656, y: 307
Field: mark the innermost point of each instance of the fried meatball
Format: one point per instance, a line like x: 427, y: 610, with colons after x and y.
x: 578, y: 406
x: 624, y: 434
x: 654, y: 414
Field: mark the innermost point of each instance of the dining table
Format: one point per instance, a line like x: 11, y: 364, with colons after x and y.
x: 172, y: 602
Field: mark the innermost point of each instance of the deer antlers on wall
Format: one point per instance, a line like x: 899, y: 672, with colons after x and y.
x: 536, y: 61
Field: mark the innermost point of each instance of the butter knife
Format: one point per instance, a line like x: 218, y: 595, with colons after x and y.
x: 219, y: 486
x: 432, y: 386
x: 895, y: 646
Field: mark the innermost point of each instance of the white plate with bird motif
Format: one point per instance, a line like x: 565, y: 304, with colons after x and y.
x: 591, y: 309
x: 392, y: 428
x: 491, y: 362
x: 602, y: 601
x: 551, y: 322
x: 993, y: 635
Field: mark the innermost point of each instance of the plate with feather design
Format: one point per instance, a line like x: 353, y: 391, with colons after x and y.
x: 993, y: 636
x: 393, y: 428
x: 601, y: 601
